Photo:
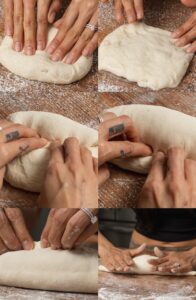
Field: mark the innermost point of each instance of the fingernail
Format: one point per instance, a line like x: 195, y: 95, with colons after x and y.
x: 27, y: 245
x: 173, y: 270
x: 175, y: 34
x: 119, y: 269
x: 139, y: 15
x: 40, y: 46
x: 44, y: 141
x: 8, y: 32
x: 86, y: 52
x: 53, y: 247
x: 131, y: 19
x: 160, y: 269
x: 44, y: 243
x: 56, y: 57
x: 52, y: 17
x: 69, y: 59
x: 18, y: 46
x: 29, y: 50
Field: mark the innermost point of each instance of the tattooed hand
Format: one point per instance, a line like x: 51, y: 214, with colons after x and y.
x: 118, y: 137
x: 16, y: 140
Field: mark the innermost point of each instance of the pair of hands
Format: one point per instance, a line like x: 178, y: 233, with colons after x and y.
x: 121, y: 260
x: 27, y: 21
x: 133, y: 10
x: 171, y: 179
x: 65, y: 228
x: 72, y: 174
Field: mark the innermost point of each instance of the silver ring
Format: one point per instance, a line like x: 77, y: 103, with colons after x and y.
x: 100, y: 119
x: 92, y: 27
x: 89, y: 213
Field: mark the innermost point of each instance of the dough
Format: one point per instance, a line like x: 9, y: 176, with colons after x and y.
x: 55, y: 270
x: 161, y: 128
x: 141, y: 266
x: 28, y: 171
x: 145, y: 55
x: 40, y: 67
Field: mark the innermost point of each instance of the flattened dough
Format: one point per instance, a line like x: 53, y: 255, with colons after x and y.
x: 145, y: 55
x: 40, y: 67
x: 161, y: 128
x: 28, y: 171
x: 141, y: 266
x: 55, y: 270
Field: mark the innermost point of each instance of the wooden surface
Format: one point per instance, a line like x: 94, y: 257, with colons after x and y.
x: 164, y: 14
x: 145, y: 287
x: 123, y: 188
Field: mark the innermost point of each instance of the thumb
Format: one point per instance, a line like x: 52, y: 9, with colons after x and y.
x: 137, y: 251
x: 158, y: 252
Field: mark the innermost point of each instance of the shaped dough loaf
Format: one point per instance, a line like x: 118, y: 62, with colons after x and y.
x: 141, y: 266
x: 161, y: 128
x: 40, y: 67
x: 145, y: 55
x: 55, y: 270
x: 28, y: 171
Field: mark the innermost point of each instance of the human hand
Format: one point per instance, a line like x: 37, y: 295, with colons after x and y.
x: 71, y: 179
x: 186, y: 34
x: 133, y: 10
x: 170, y: 182
x: 14, y: 234
x: 73, y: 38
x: 118, y: 137
x: 16, y: 140
x: 27, y: 21
x: 173, y: 262
x: 67, y: 228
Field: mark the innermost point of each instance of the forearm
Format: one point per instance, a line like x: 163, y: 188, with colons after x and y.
x: 104, y: 244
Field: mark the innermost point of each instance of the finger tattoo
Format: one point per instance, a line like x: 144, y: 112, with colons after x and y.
x: 116, y: 129
x: 12, y: 136
x: 23, y: 148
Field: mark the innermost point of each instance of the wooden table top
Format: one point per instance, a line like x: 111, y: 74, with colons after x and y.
x: 145, y: 287
x: 123, y: 188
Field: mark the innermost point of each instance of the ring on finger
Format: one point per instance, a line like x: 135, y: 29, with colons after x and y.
x: 89, y: 213
x: 92, y: 27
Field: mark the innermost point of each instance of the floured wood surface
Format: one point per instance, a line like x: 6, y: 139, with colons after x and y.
x: 13, y: 83
x: 163, y: 14
x: 123, y: 188
x: 145, y: 287
x: 81, y: 107
x: 12, y: 293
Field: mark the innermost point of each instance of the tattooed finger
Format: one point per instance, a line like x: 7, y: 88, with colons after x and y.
x: 116, y: 130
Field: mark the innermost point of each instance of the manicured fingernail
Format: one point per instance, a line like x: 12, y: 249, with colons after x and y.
x: 18, y: 46
x: 44, y: 243
x: 52, y: 17
x: 56, y: 57
x: 29, y: 50
x: 27, y: 245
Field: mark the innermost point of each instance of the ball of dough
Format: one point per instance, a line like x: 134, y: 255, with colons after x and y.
x: 40, y: 67
x: 28, y: 171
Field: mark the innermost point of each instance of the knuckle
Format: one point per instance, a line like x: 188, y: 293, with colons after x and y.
x: 28, y: 23
x: 42, y: 21
x: 18, y: 19
x: 13, y: 214
x: 54, y: 168
x: 58, y: 219
x: 174, y: 186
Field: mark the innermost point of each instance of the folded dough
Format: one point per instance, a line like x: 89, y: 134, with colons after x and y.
x: 161, y: 128
x: 55, y: 270
x: 145, y: 55
x: 40, y: 67
x: 141, y: 266
x: 28, y: 171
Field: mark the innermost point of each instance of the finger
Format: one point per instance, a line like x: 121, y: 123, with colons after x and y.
x: 121, y: 262
x: 187, y: 38
x: 2, y: 174
x: 106, y: 116
x: 8, y: 19
x: 42, y: 23
x: 183, y: 269
x: 29, y: 27
x: 138, y: 250
x: 9, y: 151
x: 84, y: 39
x: 72, y: 151
x: 191, y: 48
x: 7, y: 234
x: 5, y: 123
x: 15, y: 132
x: 18, y: 224
x: 122, y: 149
x: 60, y: 219
x: 18, y: 26
x: 139, y: 9
x: 95, y: 165
x: 46, y: 230
x: 156, y: 262
x: 74, y: 228
x: 175, y: 164
x: 57, y: 156
x: 91, y: 46
x: 118, y: 8
x: 157, y: 170
x: 129, y: 11
x: 184, y: 28
x: 54, y: 8
x: 159, y: 253
x: 3, y: 248
x: 190, y: 171
x: 104, y: 174
x: 86, y: 158
x: 89, y: 231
